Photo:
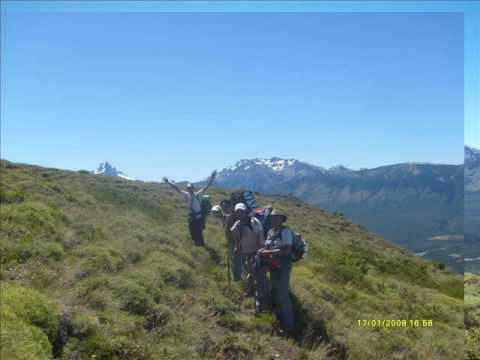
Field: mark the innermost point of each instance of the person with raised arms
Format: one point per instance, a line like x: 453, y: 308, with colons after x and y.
x: 197, y: 217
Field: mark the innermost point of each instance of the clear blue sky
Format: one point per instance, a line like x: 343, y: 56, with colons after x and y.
x: 179, y: 94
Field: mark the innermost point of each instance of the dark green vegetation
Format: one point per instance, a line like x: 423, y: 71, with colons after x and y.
x: 472, y: 316
x: 405, y: 203
x: 99, y: 267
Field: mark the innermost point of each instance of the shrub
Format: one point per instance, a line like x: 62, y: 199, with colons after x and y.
x: 11, y: 197
x: 231, y: 322
x: 54, y: 251
x: 83, y: 325
x: 23, y: 341
x: 30, y: 323
x: 220, y: 305
x: 472, y: 342
x: 99, y: 260
x: 32, y: 307
x: 180, y: 277
x: 133, y: 298
x: 232, y: 347
x: 88, y: 231
x: 30, y: 218
x: 157, y: 316
x: 345, y: 268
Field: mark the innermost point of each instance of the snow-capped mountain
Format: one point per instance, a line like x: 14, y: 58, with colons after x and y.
x: 274, y: 164
x: 108, y: 170
x: 262, y: 174
x: 389, y: 200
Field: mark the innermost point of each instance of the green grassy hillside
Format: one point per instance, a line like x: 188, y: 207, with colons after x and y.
x: 472, y: 316
x: 99, y: 267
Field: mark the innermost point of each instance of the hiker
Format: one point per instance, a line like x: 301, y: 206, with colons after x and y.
x: 222, y: 211
x: 275, y: 258
x: 248, y: 238
x: 196, y: 219
x: 218, y: 214
x: 236, y: 265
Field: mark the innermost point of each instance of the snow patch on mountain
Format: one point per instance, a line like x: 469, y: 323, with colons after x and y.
x: 274, y: 164
x: 108, y: 170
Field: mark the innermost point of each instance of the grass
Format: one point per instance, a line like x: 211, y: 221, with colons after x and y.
x: 112, y: 263
x: 472, y: 316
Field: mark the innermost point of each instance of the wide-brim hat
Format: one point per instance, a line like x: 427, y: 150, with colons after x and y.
x: 278, y: 213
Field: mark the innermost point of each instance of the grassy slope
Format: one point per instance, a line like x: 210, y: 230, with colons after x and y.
x: 112, y: 266
x: 472, y: 316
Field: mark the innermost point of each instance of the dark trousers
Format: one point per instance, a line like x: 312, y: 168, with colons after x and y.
x: 237, y: 262
x: 196, y: 225
x: 280, y: 280
x: 274, y: 293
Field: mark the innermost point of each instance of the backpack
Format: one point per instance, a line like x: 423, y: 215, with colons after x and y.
x: 299, y: 247
x: 205, y: 205
x: 245, y: 197
x: 261, y: 215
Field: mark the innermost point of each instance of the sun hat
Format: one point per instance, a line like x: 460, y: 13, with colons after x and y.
x: 241, y: 206
x: 216, y: 208
x: 276, y: 212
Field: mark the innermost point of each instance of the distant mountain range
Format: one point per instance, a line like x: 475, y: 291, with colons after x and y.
x: 472, y: 169
x: 108, y: 170
x: 472, y: 210
x: 417, y: 205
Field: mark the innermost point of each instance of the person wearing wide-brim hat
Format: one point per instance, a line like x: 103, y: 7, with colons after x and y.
x: 277, y: 251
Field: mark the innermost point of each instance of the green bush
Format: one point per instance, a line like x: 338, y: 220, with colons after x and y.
x: 231, y: 322
x: 54, y: 251
x: 30, y: 323
x: 11, y: 197
x: 232, y: 347
x: 472, y: 344
x: 99, y: 260
x: 21, y: 340
x: 32, y: 307
x: 180, y: 277
x: 30, y: 218
x: 345, y: 268
x: 133, y: 297
x: 157, y: 316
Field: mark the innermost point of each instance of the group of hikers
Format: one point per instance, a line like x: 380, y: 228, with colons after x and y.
x: 258, y: 242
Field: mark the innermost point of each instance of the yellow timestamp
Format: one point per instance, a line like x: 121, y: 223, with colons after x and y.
x: 395, y: 323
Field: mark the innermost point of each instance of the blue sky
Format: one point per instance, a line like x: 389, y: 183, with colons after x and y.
x: 179, y: 94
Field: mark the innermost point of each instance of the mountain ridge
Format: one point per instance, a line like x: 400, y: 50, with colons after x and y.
x: 388, y: 199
